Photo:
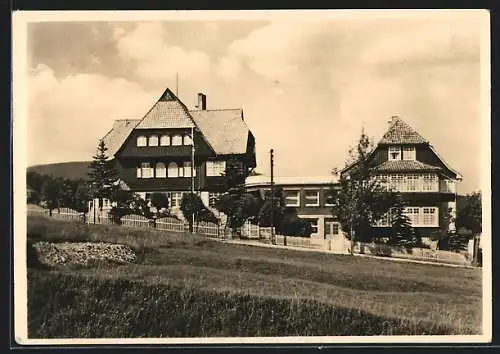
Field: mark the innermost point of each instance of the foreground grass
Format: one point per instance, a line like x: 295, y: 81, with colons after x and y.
x: 87, y: 307
x: 357, y: 294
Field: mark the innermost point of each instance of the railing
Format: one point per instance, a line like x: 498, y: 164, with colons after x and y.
x: 254, y: 231
x: 422, y: 254
x: 446, y: 186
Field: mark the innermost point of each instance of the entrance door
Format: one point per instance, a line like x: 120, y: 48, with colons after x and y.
x: 332, y: 229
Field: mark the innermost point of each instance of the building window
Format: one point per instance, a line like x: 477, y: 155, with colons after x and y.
x: 165, y: 140
x: 292, y: 198
x: 331, y: 227
x: 430, y: 217
x: 175, y: 199
x: 213, y: 198
x: 409, y: 153
x: 396, y: 182
x: 188, y: 140
x: 447, y: 186
x: 161, y: 170
x: 394, y: 153
x: 187, y: 169
x: 145, y: 170
x: 413, y: 215
x: 311, y: 198
x: 412, y: 183
x: 431, y: 183
x: 215, y: 168
x: 329, y: 197
x: 177, y: 140
x: 153, y: 140
x: 173, y: 170
x: 142, y: 141
x: 314, y: 225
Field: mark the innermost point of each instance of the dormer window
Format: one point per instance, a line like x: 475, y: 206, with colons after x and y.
x: 394, y: 153
x: 409, y: 153
x: 188, y: 140
x: 177, y: 140
x: 142, y: 141
x: 153, y: 140
x: 165, y: 140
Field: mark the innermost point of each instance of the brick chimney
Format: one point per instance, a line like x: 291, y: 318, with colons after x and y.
x: 202, y: 101
x: 392, y: 120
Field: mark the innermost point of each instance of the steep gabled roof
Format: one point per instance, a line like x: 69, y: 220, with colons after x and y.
x: 114, y: 139
x: 167, y: 112
x: 401, y: 132
x: 225, y: 129
x: 405, y: 166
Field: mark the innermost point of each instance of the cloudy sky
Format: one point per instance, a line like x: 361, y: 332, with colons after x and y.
x: 308, y: 85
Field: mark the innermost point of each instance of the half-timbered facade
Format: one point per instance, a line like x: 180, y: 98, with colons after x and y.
x: 174, y: 150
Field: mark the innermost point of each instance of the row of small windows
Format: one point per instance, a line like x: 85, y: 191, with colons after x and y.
x: 160, y: 170
x: 311, y: 198
x: 173, y: 170
x: 418, y: 216
x: 164, y: 140
x: 398, y: 153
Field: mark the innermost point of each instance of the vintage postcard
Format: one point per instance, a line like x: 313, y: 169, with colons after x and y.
x: 252, y: 177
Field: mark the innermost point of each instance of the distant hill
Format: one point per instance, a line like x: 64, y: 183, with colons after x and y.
x: 71, y: 170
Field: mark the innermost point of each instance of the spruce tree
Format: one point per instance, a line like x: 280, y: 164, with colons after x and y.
x: 402, y: 233
x: 103, y: 176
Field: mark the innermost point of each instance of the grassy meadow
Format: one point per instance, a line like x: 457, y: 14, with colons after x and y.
x: 191, y: 286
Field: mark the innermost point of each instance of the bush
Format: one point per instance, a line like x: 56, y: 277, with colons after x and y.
x: 295, y: 226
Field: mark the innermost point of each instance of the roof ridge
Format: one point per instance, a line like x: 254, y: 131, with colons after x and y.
x: 401, y: 132
x: 219, y: 109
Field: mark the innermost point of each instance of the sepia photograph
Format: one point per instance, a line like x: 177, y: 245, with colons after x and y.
x: 300, y: 176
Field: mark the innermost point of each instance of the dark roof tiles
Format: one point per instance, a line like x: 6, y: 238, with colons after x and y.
x: 401, y: 133
x: 224, y: 129
x: 404, y: 166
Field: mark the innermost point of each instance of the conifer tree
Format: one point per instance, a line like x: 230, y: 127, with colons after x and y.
x: 402, y: 233
x: 103, y: 176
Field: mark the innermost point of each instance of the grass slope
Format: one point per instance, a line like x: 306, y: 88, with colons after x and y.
x: 227, y: 289
x: 71, y: 170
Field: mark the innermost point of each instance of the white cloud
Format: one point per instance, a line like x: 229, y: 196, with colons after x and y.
x: 155, y: 59
x: 444, y: 39
x: 228, y: 67
x: 67, y: 116
x: 273, y: 50
x: 273, y: 69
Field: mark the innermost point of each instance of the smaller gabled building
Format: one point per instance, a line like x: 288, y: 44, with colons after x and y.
x: 407, y: 163
x: 311, y: 198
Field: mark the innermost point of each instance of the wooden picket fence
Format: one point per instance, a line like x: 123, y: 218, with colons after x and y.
x: 423, y: 254
x: 249, y: 231
x: 207, y: 229
x: 136, y: 221
x: 170, y: 224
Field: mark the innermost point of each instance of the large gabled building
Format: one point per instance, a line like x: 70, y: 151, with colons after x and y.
x: 406, y: 162
x: 174, y: 150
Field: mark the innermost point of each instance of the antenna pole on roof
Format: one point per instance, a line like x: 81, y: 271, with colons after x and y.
x: 177, y: 83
